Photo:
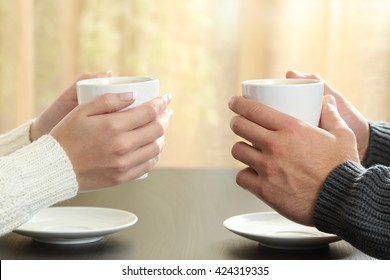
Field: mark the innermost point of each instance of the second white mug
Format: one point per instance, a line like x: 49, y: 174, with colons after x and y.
x: 300, y: 98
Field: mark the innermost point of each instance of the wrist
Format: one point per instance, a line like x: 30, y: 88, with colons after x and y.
x: 34, y: 133
x: 363, y: 141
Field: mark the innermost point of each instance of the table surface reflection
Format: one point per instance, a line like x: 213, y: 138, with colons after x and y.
x: 181, y: 214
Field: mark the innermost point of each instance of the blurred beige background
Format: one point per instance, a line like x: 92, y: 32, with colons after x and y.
x: 200, y: 49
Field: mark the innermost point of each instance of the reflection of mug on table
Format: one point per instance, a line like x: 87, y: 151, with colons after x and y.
x: 144, y: 89
x: 300, y: 98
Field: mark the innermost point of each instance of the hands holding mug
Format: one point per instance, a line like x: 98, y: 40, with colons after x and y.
x: 288, y: 159
x: 65, y: 103
x: 354, y: 119
x: 105, y: 145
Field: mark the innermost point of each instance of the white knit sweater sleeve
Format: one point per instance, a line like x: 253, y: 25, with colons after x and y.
x: 15, y: 139
x: 31, y: 178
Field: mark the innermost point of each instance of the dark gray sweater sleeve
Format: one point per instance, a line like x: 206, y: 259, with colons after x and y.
x: 379, y: 146
x: 354, y: 202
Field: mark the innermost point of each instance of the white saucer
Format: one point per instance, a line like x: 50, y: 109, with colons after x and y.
x: 273, y: 230
x: 75, y: 225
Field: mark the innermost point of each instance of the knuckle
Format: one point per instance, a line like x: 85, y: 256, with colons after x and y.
x: 278, y: 149
x: 149, y: 165
x: 236, y: 150
x: 112, y: 127
x: 120, y: 166
x: 295, y: 128
x: 156, y: 148
x: 346, y: 132
x: 116, y: 180
x: 80, y: 109
x: 153, y: 162
x: 293, y: 125
x: 235, y: 123
x: 159, y: 129
x: 240, y: 179
x: 119, y: 148
x: 151, y: 111
x: 254, y: 111
x: 267, y: 170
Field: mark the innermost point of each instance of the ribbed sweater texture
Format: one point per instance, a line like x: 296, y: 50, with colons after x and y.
x: 32, y: 176
x: 354, y: 202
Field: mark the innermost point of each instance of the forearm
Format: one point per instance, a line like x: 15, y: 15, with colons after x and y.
x: 32, y: 178
x: 354, y: 203
x: 15, y: 139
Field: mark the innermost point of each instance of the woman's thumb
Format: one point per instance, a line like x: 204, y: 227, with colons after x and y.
x: 110, y: 102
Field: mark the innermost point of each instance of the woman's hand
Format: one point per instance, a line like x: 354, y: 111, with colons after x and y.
x: 107, y: 147
x: 65, y: 103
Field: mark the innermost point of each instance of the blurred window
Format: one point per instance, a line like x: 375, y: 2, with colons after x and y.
x: 200, y: 50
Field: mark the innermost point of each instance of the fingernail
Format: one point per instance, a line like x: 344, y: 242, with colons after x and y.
x: 127, y: 96
x: 231, y: 99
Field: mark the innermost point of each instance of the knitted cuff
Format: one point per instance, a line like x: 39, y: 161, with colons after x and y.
x: 379, y: 146
x: 36, y: 176
x: 15, y: 139
x: 354, y: 204
x: 335, y: 197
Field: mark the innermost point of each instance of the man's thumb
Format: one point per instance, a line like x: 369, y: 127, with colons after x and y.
x: 330, y: 117
x: 109, y: 103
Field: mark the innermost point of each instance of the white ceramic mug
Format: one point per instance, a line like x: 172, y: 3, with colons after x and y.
x: 300, y: 98
x: 144, y: 88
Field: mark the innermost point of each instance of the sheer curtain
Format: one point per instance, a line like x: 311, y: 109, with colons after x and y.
x: 200, y: 49
x: 346, y: 41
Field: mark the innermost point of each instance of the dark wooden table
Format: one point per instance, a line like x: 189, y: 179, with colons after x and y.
x: 181, y: 214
